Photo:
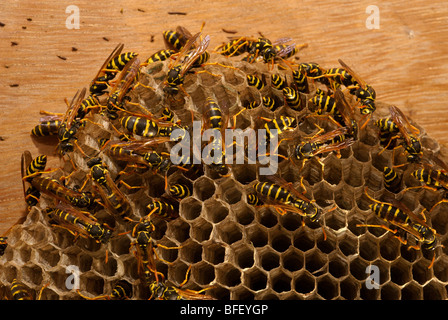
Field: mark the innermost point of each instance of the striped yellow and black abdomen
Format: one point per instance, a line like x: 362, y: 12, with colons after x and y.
x: 273, y: 191
x: 47, y: 128
x: 118, y: 63
x: 292, y: 98
x: 255, y: 81
x: 19, y: 291
x: 140, y: 126
x: 160, y: 55
x: 391, y: 179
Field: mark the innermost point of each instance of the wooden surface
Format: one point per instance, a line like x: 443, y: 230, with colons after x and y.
x: 406, y: 59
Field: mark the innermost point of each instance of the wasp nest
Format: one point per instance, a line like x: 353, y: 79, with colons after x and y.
x: 237, y: 250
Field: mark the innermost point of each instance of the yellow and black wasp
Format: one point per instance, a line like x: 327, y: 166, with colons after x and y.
x: 31, y: 168
x: 433, y: 174
x: 100, y: 82
x: 178, y: 69
x: 363, y: 92
x: 113, y: 199
x: 334, y: 140
x: 411, y: 143
x: 255, y: 81
x: 314, y: 71
x: 3, y: 245
x: 78, y: 223
x: 405, y: 222
x: 388, y: 132
x: 292, y: 98
x: 54, y: 189
x: 300, y: 81
x: 123, y: 85
x: 160, y: 290
x: 122, y: 290
x: 392, y: 179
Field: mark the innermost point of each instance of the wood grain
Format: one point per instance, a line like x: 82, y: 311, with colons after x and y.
x: 406, y: 59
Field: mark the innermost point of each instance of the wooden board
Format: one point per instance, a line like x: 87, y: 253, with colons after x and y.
x: 406, y: 59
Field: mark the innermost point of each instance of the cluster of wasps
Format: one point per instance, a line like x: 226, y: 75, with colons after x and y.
x: 136, y: 137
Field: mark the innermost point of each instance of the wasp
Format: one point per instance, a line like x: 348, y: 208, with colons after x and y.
x: 122, y: 86
x: 300, y: 81
x: 147, y: 127
x: 277, y: 82
x: 363, y: 92
x: 236, y: 46
x: 292, y: 98
x: 401, y: 217
x: 100, y: 82
x: 79, y: 223
x: 431, y: 177
x: 270, y: 103
x: 314, y: 71
x: 3, y: 245
x: 255, y: 81
x: 46, y: 127
x: 331, y: 141
x: 160, y: 55
x: 181, y: 66
x: 163, y: 208
x: 280, y: 194
x: 19, y: 291
x: 122, y: 290
x: 392, y: 180
x: 53, y: 188
x: 180, y: 191
x: 31, y: 168
x: 70, y: 125
x: 176, y: 40
x: 161, y: 291
x: 281, y: 124
x: 114, y: 200
x: 254, y: 200
x: 409, y: 133
x: 387, y: 133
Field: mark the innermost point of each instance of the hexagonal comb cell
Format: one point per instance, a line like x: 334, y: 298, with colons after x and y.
x: 224, y: 244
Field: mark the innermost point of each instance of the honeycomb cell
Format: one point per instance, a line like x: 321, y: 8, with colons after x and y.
x: 32, y: 274
x: 257, y: 235
x: 315, y: 261
x: 280, y: 241
x: 244, y: 174
x: 203, y: 188
x: 48, y: 257
x: 267, y: 217
x: 269, y: 259
x: 368, y: 248
x: 244, y: 256
x: 244, y: 213
x: 201, y: 230
x: 348, y: 244
x: 203, y: 273
x: 215, y: 211
x: 327, y: 287
x: 358, y: 268
x: 389, y: 248
x: 230, y: 232
x: 190, y: 252
x: 338, y: 266
x: 292, y: 260
x: 280, y: 281
x: 304, y: 283
x: 190, y: 208
x: 349, y: 288
x: 242, y: 293
x: 214, y: 253
x: 420, y: 272
x: 228, y: 275
x: 441, y: 270
x: 290, y: 221
x: 230, y: 192
x: 390, y: 291
x: 255, y: 279
x: 335, y: 219
x: 434, y: 291
x: 412, y: 291
x: 400, y: 272
x: 180, y: 230
x: 303, y: 240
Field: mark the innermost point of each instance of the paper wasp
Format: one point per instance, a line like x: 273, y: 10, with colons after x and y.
x: 363, y: 92
x: 409, y: 133
x: 145, y: 249
x: 161, y: 291
x: 48, y: 126
x: 176, y: 40
x: 160, y: 55
x: 181, y: 66
x: 292, y: 98
x: 430, y: 176
x: 3, y: 245
x: 278, y: 82
x: 31, y: 168
x: 388, y: 132
x: 284, y: 198
x: 123, y: 85
x: 255, y: 82
x: 300, y: 81
x: 121, y: 291
x: 70, y: 125
x: 54, y: 189
x: 392, y: 180
x: 100, y: 82
x: 114, y: 200
x: 314, y: 71
x: 19, y: 291
x: 398, y: 215
x: 78, y: 223
x: 270, y: 103
x: 334, y: 140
